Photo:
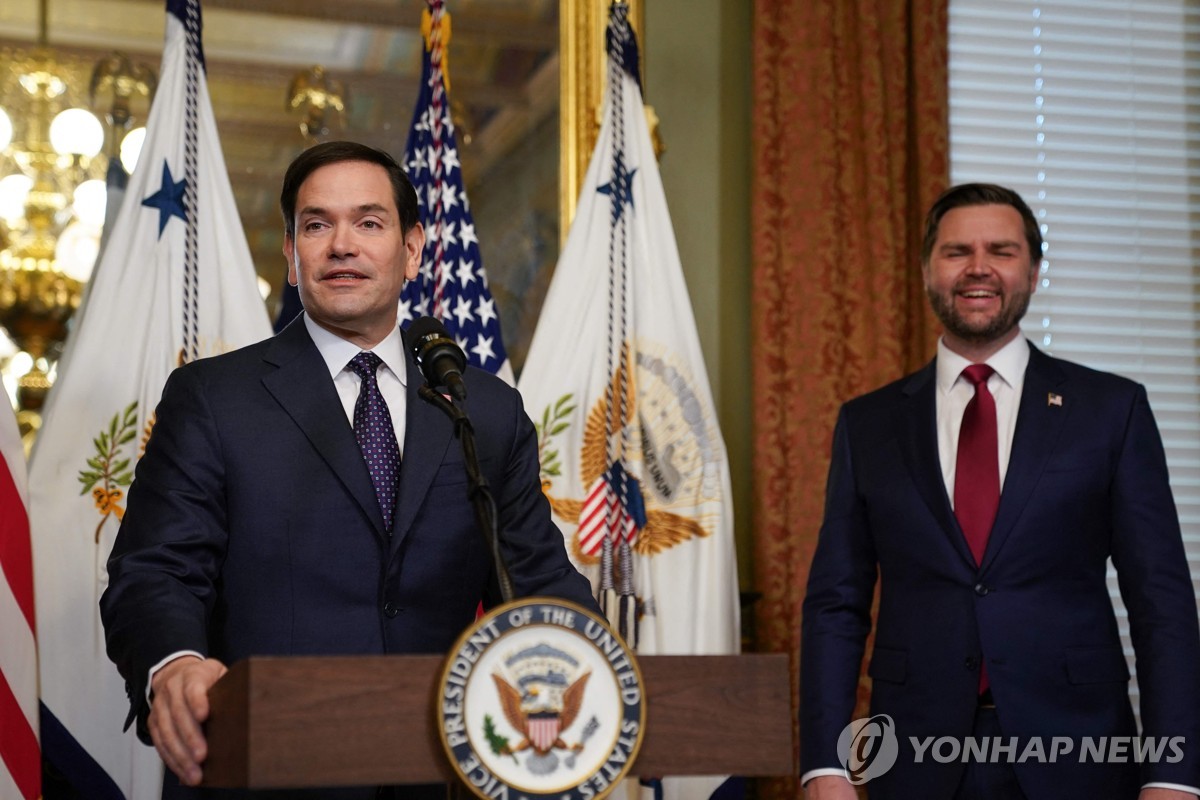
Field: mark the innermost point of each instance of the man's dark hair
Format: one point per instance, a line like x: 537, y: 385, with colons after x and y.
x: 327, y: 153
x: 980, y: 194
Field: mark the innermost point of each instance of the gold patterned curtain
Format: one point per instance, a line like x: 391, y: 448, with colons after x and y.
x: 850, y: 138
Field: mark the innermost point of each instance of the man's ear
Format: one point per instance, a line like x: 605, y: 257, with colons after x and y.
x: 289, y: 252
x: 414, y: 244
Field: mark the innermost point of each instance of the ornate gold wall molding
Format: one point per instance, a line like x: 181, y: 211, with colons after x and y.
x: 581, y: 86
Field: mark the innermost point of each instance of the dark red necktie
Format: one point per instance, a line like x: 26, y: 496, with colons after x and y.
x: 977, y: 472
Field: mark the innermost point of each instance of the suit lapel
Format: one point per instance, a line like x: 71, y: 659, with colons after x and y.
x: 1038, y: 427
x: 918, y: 422
x: 428, y: 435
x: 301, y: 385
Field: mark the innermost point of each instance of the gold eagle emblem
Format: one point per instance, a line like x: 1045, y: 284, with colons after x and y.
x: 518, y: 716
x: 663, y: 529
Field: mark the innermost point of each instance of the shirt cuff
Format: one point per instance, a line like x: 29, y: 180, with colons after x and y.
x: 164, y: 662
x: 820, y: 773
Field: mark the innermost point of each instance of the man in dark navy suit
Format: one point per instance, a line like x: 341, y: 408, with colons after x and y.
x: 987, y: 492
x: 257, y: 526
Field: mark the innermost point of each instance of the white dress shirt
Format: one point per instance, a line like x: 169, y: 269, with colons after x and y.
x: 392, y: 375
x: 954, y: 392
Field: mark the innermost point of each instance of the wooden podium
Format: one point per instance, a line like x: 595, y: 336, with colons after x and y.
x: 363, y: 720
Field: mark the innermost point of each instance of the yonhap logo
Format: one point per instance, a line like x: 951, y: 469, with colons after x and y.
x: 868, y: 748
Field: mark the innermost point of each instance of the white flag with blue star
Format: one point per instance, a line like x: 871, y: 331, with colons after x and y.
x: 632, y: 458
x: 175, y: 283
x: 452, y: 285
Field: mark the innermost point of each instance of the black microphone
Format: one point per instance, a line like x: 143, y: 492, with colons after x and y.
x: 440, y: 358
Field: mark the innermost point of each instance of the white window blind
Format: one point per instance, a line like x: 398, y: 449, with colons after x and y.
x: 1089, y: 109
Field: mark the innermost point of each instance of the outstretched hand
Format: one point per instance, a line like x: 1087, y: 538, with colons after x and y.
x: 179, y: 706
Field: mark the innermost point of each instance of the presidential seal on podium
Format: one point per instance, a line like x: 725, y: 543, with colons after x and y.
x: 541, y: 699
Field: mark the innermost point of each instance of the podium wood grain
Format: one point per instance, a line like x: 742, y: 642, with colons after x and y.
x: 355, y: 720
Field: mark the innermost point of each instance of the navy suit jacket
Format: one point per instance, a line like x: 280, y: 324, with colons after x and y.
x: 1086, y: 481
x: 252, y: 526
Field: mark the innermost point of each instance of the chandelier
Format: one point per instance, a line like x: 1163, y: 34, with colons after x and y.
x: 52, y: 199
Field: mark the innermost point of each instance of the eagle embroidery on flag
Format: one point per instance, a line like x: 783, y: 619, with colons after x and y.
x: 632, y: 459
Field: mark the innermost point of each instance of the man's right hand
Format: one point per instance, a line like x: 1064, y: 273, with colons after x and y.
x: 829, y: 787
x: 179, y: 706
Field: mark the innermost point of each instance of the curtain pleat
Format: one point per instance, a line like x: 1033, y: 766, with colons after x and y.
x: 850, y: 148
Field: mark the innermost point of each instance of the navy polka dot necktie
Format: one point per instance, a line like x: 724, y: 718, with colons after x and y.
x: 375, y: 434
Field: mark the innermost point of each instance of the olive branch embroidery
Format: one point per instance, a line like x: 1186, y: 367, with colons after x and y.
x: 553, y: 423
x: 108, y: 469
x: 497, y: 743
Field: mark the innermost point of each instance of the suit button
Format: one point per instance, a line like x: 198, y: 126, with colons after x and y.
x: 972, y: 663
x: 981, y: 590
x: 390, y: 610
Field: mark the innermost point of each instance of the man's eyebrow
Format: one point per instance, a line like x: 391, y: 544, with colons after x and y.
x: 319, y: 211
x: 950, y: 244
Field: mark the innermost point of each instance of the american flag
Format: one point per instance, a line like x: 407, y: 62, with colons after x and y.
x: 613, y: 506
x: 452, y: 285
x: 20, y: 758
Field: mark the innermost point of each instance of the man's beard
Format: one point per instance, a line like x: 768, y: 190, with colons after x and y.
x: 1012, y: 310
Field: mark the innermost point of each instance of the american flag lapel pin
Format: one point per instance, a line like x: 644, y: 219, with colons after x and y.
x: 1053, y: 399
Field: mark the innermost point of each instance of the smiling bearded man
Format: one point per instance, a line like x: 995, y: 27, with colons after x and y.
x: 987, y: 494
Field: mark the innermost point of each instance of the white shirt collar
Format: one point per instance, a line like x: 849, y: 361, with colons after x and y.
x: 337, y: 352
x: 1009, y: 362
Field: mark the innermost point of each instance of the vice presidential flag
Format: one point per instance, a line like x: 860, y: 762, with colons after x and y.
x: 452, y: 285
x: 20, y: 758
x: 175, y: 283
x: 632, y: 459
